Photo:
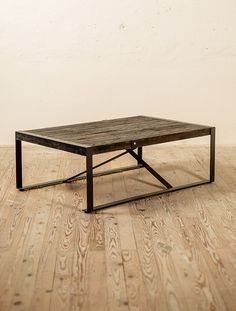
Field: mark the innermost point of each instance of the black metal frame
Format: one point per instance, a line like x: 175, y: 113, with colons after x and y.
x: 88, y: 174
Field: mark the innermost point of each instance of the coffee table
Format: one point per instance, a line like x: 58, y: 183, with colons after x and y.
x: 130, y: 134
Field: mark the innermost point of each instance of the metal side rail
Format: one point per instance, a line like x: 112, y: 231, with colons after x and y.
x: 80, y: 176
x: 147, y: 195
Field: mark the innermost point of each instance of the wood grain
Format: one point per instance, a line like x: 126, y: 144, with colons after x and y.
x: 173, y: 252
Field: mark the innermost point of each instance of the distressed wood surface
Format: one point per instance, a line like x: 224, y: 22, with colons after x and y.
x: 173, y: 252
x: 110, y: 135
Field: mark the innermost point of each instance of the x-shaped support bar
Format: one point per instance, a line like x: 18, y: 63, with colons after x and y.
x: 150, y: 169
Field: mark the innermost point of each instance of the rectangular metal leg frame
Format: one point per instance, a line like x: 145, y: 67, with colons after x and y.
x: 88, y: 175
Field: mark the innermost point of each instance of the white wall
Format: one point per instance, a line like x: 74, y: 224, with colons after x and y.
x: 70, y: 61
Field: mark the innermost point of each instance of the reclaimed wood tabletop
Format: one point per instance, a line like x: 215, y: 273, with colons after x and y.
x: 114, y: 134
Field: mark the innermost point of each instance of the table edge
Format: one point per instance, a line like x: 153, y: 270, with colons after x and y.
x: 152, y: 140
x: 85, y: 149
x: 51, y: 142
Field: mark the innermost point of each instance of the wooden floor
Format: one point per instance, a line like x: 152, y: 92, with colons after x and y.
x: 174, y: 252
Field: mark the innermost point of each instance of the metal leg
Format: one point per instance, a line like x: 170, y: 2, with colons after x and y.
x: 212, y: 155
x: 89, y: 180
x: 18, y: 149
x: 140, y: 154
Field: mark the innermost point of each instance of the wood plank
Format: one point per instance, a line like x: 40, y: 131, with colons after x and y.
x: 54, y: 275
x: 80, y: 265
x: 97, y: 271
x: 197, y: 232
x: 7, y: 176
x: 137, y: 300
x: 21, y: 265
x: 117, y: 296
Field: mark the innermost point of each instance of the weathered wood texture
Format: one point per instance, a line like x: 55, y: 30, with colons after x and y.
x: 110, y: 135
x: 174, y: 252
